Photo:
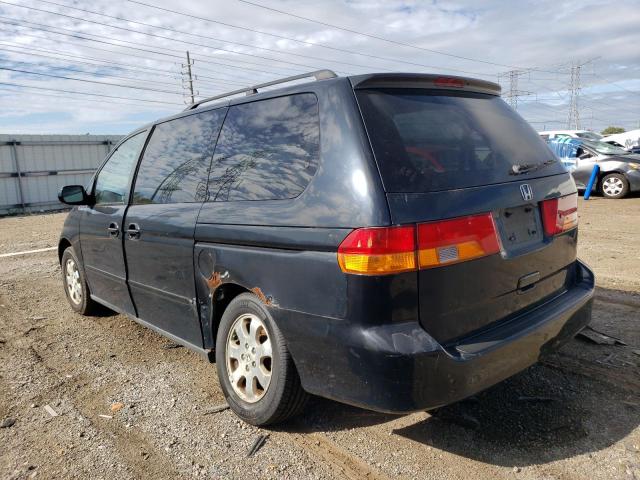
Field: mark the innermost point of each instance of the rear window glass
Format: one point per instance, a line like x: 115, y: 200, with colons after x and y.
x: 267, y: 150
x: 428, y: 141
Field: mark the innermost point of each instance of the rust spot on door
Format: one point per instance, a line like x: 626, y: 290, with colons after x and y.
x: 214, y: 281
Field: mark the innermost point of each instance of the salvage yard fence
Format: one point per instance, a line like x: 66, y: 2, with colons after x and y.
x: 33, y: 168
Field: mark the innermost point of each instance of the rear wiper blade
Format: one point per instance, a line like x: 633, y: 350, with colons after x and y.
x: 520, y: 169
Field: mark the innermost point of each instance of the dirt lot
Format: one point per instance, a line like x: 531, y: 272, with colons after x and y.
x: 576, y: 415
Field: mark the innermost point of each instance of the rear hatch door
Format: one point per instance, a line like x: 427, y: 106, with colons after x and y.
x: 446, y: 154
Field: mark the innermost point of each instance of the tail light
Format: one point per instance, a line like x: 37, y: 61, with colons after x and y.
x: 559, y: 214
x: 456, y: 240
x: 380, y: 251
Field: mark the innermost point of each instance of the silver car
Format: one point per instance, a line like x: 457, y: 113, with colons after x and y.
x: 619, y: 169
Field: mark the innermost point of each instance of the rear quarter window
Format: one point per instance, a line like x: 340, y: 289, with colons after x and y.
x: 433, y: 140
x: 267, y: 150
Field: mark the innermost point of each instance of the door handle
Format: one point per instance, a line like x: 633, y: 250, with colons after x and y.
x: 113, y: 229
x: 133, y: 231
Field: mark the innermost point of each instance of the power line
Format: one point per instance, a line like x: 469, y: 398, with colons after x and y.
x: 107, y: 65
x: 386, y: 59
x: 67, y: 97
x: 125, y: 29
x: 353, y: 52
x: 182, y: 32
x: 100, y: 41
x: 97, y: 74
x: 127, y: 66
x: 121, y: 66
x: 87, y: 93
x: 369, y: 35
x: 27, y: 72
x: 75, y: 35
x: 615, y: 83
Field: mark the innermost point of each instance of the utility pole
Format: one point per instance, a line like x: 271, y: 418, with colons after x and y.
x: 513, y: 92
x: 187, y: 80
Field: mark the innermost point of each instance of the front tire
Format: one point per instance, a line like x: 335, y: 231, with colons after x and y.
x: 255, y: 369
x: 75, y: 284
x: 614, y: 185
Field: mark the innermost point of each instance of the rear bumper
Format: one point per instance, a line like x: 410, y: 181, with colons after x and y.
x: 400, y: 368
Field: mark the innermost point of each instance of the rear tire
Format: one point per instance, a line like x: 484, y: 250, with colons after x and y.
x: 75, y: 284
x: 255, y: 369
x: 614, y: 185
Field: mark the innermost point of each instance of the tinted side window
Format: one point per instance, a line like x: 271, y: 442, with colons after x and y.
x: 175, y: 164
x: 113, y: 179
x: 267, y: 150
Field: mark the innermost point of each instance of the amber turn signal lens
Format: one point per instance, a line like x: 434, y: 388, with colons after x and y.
x: 456, y: 240
x: 378, y: 251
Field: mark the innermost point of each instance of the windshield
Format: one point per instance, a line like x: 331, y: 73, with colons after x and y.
x: 426, y: 140
x: 589, y: 135
x: 605, y: 148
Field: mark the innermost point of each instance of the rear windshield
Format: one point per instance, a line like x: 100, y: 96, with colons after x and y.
x: 427, y: 140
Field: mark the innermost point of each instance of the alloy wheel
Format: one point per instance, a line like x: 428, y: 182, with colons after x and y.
x: 72, y: 277
x: 248, y: 358
x: 612, y: 186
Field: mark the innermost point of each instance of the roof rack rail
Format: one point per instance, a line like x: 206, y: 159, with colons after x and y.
x: 318, y: 75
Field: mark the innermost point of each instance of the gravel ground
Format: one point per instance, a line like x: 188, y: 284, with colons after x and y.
x: 129, y: 405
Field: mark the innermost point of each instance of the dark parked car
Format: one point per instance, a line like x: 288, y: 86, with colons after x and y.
x: 619, y: 168
x: 392, y: 241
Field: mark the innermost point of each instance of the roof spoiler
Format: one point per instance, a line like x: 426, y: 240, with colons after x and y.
x: 422, y: 80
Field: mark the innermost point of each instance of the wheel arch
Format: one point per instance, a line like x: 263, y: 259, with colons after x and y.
x: 603, y: 174
x: 63, y: 244
x: 222, y: 297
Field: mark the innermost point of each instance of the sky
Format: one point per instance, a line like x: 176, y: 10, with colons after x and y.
x: 124, y: 60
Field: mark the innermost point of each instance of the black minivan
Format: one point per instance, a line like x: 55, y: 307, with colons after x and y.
x: 392, y: 241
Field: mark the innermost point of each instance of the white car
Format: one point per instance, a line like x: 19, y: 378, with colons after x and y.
x: 628, y: 140
x: 584, y: 134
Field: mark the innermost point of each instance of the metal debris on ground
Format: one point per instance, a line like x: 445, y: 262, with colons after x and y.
x: 8, y: 422
x: 216, y: 409
x: 169, y: 346
x: 50, y: 411
x: 257, y: 445
x: 32, y: 329
x: 108, y: 417
x: 599, y: 338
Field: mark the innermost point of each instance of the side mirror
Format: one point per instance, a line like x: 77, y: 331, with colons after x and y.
x: 73, y: 195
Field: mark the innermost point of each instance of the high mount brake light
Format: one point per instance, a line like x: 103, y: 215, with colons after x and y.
x: 385, y: 250
x: 559, y: 214
x: 448, y: 82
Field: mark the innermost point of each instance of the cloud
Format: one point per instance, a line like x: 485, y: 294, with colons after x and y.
x: 544, y: 36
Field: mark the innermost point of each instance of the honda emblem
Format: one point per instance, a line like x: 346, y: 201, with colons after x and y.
x: 527, y: 193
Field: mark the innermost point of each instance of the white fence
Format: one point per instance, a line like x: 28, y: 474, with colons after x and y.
x: 33, y: 168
